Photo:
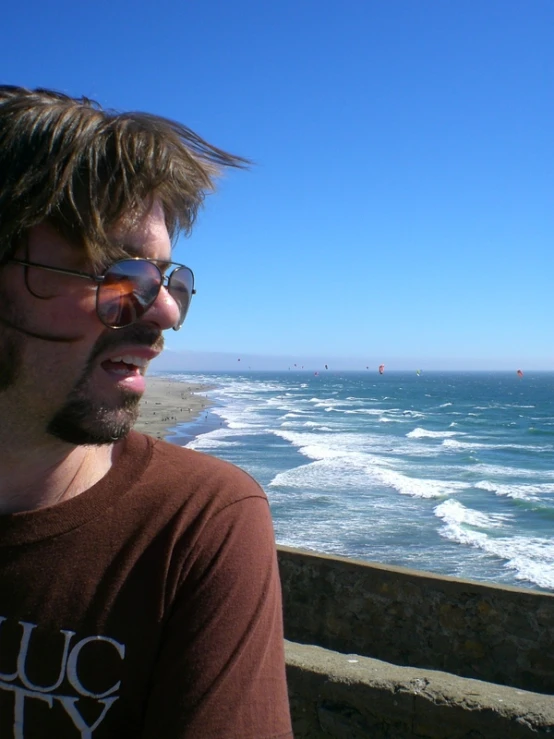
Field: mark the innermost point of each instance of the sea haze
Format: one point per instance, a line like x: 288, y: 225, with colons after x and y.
x: 447, y: 472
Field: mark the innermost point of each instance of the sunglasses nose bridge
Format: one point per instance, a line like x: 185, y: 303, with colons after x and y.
x: 164, y: 310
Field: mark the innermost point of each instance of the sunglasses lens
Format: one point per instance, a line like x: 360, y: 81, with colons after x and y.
x: 128, y: 290
x: 181, y: 287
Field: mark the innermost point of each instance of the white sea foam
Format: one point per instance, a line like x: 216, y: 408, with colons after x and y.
x: 455, y: 513
x: 244, y: 426
x: 218, y: 438
x: 366, y: 411
x: 419, y: 487
x: 344, y: 405
x: 530, y: 448
x: 241, y: 419
x: 419, y: 433
x: 342, y: 443
x: 531, y: 558
x: 456, y: 444
x: 204, y: 443
x: 492, y: 471
x: 328, y: 473
x: 517, y: 491
x: 285, y: 405
x: 363, y: 400
x: 311, y: 425
x: 355, y: 471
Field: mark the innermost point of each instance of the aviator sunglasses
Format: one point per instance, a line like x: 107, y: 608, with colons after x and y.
x: 129, y: 287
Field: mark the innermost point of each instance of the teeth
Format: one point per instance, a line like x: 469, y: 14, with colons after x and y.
x: 130, y: 359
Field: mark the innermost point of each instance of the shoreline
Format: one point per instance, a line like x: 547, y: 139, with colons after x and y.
x: 167, y: 403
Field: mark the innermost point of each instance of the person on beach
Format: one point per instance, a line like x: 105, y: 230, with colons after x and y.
x: 139, y: 589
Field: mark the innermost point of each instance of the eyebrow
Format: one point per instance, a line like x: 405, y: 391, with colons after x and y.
x: 136, y: 252
x: 129, y: 249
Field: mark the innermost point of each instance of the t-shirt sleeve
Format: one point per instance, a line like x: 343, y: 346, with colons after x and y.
x: 221, y: 668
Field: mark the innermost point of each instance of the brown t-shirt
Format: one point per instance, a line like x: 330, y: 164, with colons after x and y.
x: 148, y: 606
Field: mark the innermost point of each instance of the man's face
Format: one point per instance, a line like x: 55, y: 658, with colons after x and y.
x: 72, y: 383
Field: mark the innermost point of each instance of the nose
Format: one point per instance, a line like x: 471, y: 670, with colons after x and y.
x: 164, y: 311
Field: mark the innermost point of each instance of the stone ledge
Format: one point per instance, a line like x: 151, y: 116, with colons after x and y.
x: 408, y: 617
x: 354, y: 697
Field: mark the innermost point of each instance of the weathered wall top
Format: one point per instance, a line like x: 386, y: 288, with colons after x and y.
x: 341, y: 696
x: 498, y: 634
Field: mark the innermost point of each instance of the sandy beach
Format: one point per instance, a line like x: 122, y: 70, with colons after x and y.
x: 169, y: 402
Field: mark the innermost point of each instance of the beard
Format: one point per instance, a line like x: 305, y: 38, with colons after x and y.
x: 81, y: 420
x: 85, y: 420
x: 11, y: 361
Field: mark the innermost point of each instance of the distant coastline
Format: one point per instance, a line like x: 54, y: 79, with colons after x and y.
x: 223, y: 362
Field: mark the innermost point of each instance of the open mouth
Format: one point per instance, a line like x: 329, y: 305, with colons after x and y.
x: 125, y: 365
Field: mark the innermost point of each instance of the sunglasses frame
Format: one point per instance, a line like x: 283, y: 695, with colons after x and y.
x: 99, y: 279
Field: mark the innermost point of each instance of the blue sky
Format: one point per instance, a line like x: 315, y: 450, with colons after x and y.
x: 401, y: 206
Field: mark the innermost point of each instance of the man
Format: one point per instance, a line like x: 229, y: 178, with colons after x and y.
x: 139, y: 593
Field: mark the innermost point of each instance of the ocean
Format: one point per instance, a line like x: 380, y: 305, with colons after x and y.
x: 452, y: 473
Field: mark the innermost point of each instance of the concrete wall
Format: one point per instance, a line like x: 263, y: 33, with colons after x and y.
x: 406, y: 617
x: 337, y: 696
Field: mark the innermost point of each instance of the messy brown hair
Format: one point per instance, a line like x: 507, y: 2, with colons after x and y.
x: 81, y: 168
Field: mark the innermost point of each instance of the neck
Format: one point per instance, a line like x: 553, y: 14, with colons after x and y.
x: 50, y: 474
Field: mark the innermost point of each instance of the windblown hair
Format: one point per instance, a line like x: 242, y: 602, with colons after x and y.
x: 80, y: 168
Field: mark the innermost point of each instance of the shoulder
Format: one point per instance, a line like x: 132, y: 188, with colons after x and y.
x: 188, y: 474
x: 201, y: 509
